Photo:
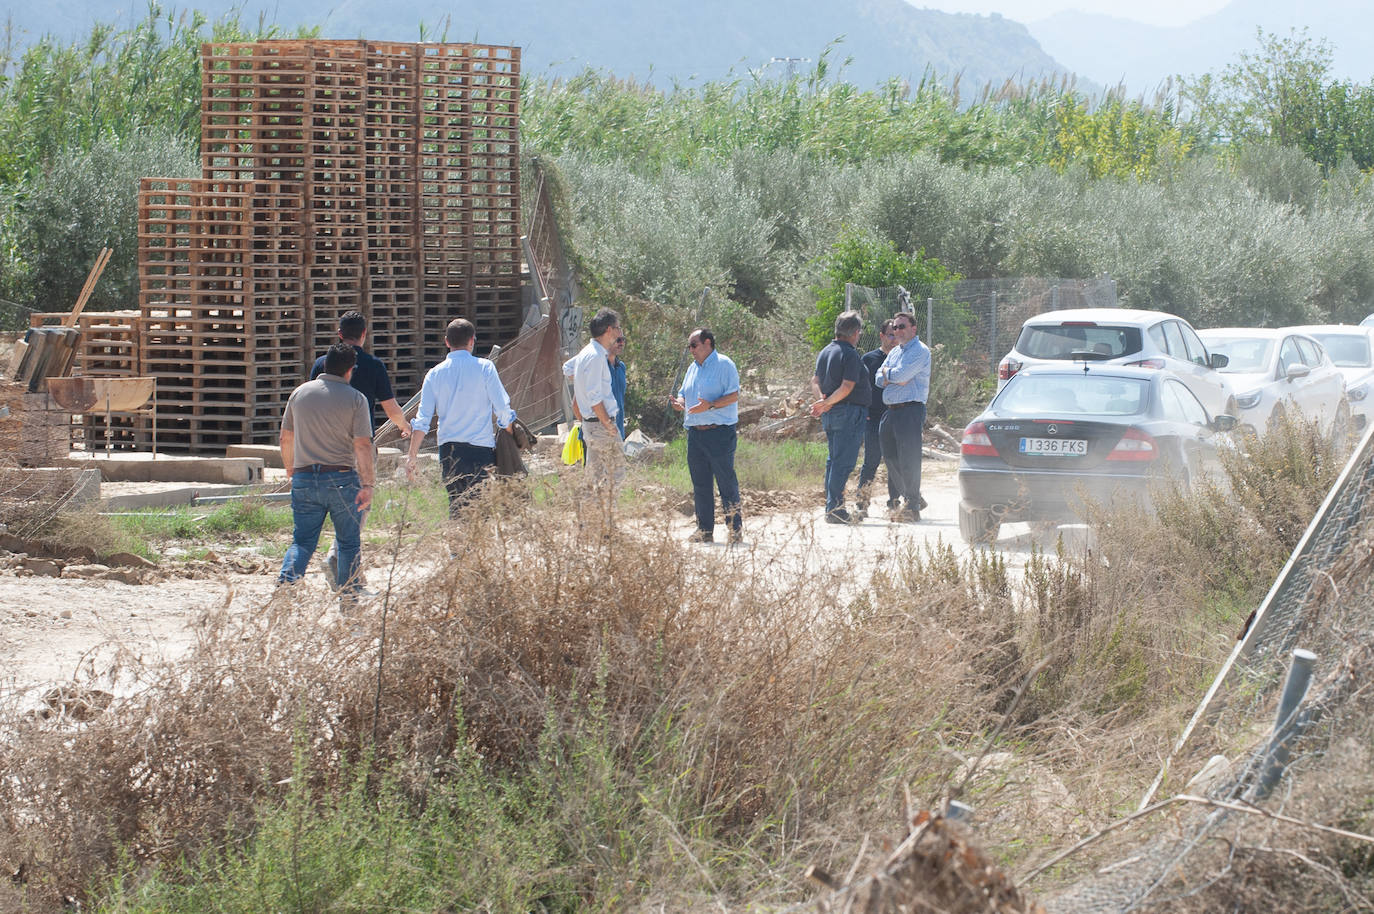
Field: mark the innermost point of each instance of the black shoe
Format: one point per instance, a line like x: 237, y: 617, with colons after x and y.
x: 838, y: 516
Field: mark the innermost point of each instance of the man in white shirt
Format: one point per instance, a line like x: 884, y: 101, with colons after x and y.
x: 596, y: 404
x: 466, y: 392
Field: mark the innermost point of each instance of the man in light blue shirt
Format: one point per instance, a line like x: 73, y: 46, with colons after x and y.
x: 709, y: 402
x: 594, y: 396
x: 905, y: 382
x: 465, y: 392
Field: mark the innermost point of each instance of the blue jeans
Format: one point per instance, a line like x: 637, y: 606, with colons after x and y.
x: 844, y: 435
x: 711, y: 456
x: 901, y: 433
x: 873, y: 457
x: 313, y: 496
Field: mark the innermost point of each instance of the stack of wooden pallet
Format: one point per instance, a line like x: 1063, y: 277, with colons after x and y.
x: 338, y: 175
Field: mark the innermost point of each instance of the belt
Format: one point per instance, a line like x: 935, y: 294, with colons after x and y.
x: 906, y: 404
x: 323, y: 468
x: 702, y: 428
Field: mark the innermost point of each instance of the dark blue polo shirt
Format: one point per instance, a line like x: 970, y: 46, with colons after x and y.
x: 839, y: 362
x: 369, y: 378
x: 873, y: 360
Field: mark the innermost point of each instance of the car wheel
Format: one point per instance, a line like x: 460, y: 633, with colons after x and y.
x: 1341, y: 426
x: 978, y: 526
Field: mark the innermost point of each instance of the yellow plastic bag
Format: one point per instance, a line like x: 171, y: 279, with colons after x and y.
x: 572, y: 445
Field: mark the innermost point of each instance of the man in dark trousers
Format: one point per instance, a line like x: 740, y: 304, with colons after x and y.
x: 873, y: 445
x: 842, y: 389
x: 905, y: 381
x: 326, y: 447
x: 370, y: 377
x: 709, y: 402
x: 465, y: 392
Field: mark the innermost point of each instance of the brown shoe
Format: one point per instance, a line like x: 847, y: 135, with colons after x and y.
x: 736, y: 536
x: 906, y: 516
x: 701, y: 536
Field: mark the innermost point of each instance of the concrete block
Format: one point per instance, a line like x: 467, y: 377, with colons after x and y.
x: 239, y: 471
x: 270, y: 454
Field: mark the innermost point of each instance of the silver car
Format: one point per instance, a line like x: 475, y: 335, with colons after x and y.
x: 1278, y: 371
x: 1123, y: 336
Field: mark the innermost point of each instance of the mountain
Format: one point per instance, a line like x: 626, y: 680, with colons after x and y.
x: 1111, y: 50
x: 658, y: 42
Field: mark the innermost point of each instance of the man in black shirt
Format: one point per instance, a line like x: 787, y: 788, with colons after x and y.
x: 369, y: 378
x: 369, y: 374
x: 842, y: 389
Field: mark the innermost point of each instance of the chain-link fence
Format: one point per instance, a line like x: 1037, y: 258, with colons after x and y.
x: 1321, y: 602
x: 976, y: 318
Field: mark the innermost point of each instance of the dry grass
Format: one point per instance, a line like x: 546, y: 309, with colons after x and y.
x: 698, y: 737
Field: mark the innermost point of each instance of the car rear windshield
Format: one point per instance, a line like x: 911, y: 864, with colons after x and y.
x: 1061, y: 395
x: 1245, y: 356
x: 1346, y: 349
x: 1057, y: 341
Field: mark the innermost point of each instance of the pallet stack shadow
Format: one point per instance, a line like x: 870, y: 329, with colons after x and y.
x: 337, y: 175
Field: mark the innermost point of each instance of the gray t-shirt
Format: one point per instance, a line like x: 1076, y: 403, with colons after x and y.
x: 326, y: 414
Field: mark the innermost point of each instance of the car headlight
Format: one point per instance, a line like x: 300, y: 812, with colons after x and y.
x: 1358, y: 392
x: 1250, y: 400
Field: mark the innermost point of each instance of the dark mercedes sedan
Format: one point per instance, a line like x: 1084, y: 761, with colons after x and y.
x: 1055, y: 436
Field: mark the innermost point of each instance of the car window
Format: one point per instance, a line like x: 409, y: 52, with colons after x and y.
x: 1065, y: 394
x: 1346, y: 349
x: 1056, y: 341
x: 1247, y: 355
x: 1197, y: 353
x: 1157, y: 335
x: 1173, y: 340
x: 1181, y: 405
x: 1310, y: 353
x: 1289, y: 355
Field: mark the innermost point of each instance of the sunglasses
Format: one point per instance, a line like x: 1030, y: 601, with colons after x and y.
x: 693, y: 345
x: 902, y: 326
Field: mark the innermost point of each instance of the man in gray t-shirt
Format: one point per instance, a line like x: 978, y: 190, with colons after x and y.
x: 326, y: 448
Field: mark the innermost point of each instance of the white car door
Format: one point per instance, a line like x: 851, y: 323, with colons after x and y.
x: 1326, y: 383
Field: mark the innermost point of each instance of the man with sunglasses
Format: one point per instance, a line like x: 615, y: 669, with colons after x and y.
x: 873, y: 446
x: 708, y: 400
x: 842, y: 390
x: 904, y: 378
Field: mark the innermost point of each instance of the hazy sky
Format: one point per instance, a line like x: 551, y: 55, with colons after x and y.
x: 1154, y: 12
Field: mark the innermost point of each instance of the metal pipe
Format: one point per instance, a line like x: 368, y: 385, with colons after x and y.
x: 1288, y: 726
x: 225, y: 499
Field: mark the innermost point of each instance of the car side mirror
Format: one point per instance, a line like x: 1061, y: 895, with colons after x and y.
x: 1218, y: 360
x: 1297, y: 371
x: 1224, y: 423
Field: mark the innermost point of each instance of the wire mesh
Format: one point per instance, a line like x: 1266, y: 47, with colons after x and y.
x: 977, y: 318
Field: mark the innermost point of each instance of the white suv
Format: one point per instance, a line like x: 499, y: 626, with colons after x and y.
x: 1122, y: 336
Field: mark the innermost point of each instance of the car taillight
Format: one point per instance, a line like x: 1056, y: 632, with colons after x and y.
x: 976, y: 442
x: 1134, y: 445
x: 1156, y: 364
x: 1007, y: 368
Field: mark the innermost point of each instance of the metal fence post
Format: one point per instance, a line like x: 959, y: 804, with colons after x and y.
x: 848, y: 296
x: 1287, y: 726
x: 930, y: 322
x: 992, y: 330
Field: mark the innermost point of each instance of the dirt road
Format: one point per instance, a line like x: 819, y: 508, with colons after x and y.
x: 52, y: 627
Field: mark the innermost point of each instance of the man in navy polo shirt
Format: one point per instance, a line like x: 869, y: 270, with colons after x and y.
x: 842, y: 393
x: 370, y: 379
x: 369, y: 374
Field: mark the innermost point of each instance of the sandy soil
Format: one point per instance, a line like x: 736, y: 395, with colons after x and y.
x: 53, y: 628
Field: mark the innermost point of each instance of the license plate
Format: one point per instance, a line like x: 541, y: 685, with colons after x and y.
x: 1055, y: 447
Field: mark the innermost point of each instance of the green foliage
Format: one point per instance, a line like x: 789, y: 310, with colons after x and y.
x: 762, y: 466
x: 481, y: 842
x: 868, y: 261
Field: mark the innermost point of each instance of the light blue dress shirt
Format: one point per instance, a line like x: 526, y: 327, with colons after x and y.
x: 905, y: 373
x: 714, y: 378
x: 592, y: 381
x: 466, y: 391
